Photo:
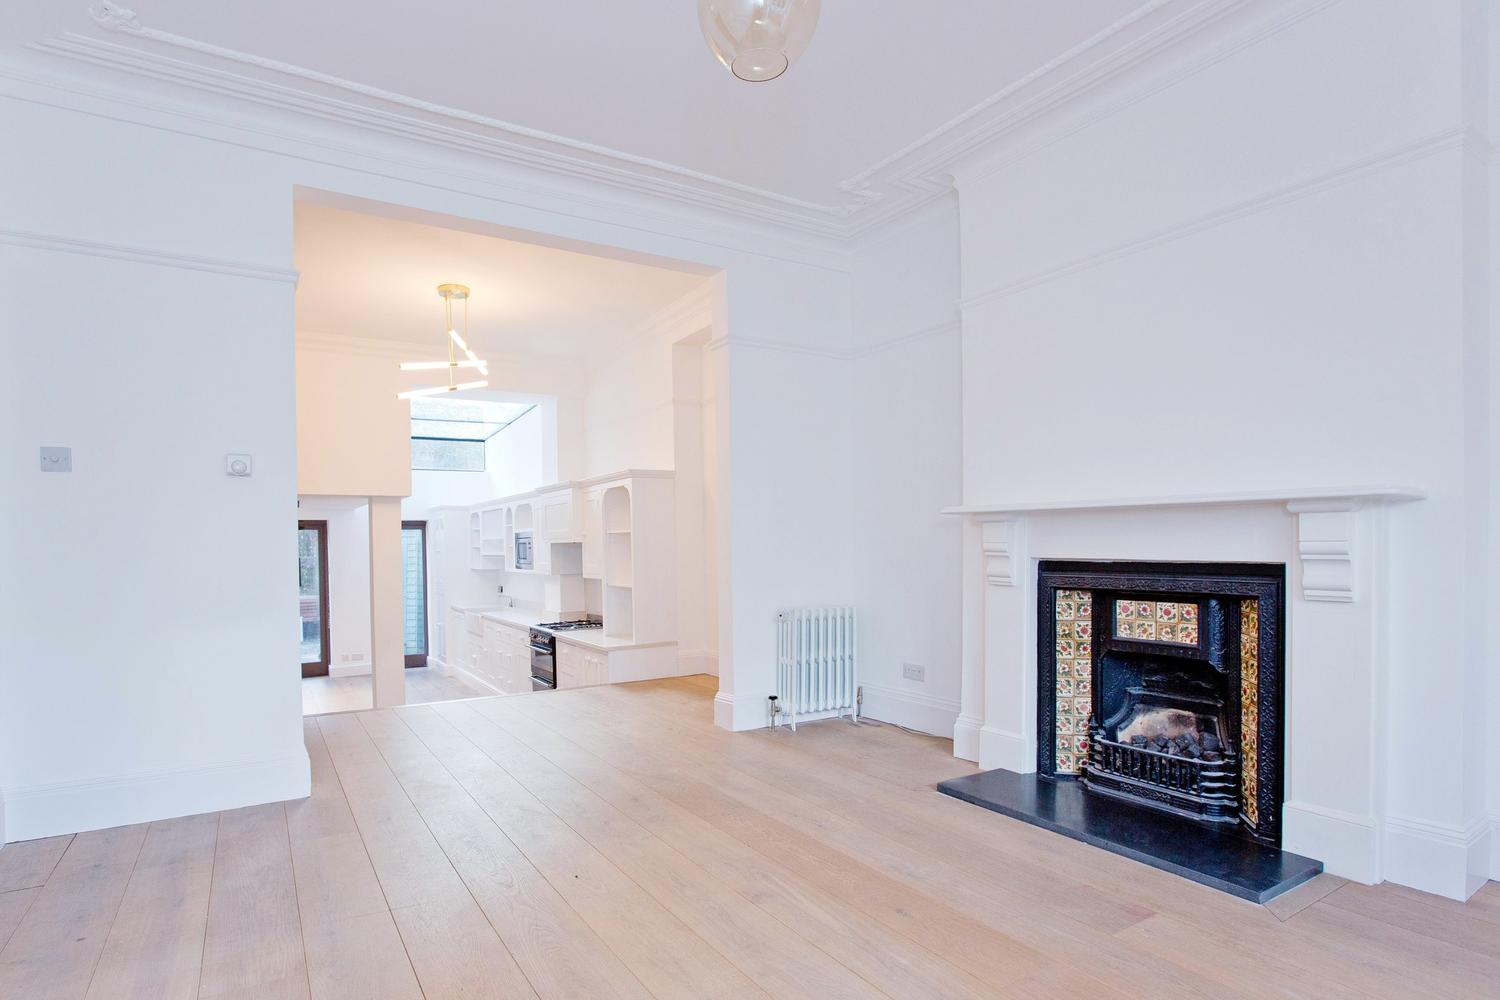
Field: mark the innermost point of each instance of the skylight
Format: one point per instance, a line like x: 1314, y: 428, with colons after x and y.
x: 463, y: 419
x: 448, y: 435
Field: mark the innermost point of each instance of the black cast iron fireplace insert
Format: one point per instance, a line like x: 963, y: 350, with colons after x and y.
x: 1159, y: 711
x: 1160, y: 684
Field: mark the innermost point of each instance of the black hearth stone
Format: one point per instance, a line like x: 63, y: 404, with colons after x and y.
x: 1224, y: 861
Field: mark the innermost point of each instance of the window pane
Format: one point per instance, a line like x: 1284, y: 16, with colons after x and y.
x: 310, y: 595
x: 447, y: 456
x: 413, y: 598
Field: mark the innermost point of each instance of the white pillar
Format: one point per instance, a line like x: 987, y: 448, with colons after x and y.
x: 971, y: 690
x: 1008, y: 737
x: 387, y: 644
x: 1335, y: 684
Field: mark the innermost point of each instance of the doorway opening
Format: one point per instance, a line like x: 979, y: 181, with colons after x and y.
x: 517, y: 568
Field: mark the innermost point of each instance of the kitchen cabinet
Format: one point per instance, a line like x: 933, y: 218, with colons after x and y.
x: 580, y: 667
x: 454, y: 638
x: 556, y: 517
x: 505, y: 662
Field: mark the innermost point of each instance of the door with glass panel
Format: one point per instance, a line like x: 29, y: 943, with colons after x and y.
x: 414, y: 591
x: 312, y: 596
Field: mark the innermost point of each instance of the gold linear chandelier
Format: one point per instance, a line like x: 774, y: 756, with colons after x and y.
x: 456, y: 342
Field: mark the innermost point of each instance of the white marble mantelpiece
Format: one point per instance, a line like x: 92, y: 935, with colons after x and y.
x: 1327, y: 544
x: 1357, y: 495
x: 1333, y: 542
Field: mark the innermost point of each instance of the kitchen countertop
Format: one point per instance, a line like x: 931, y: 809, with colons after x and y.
x: 530, y: 618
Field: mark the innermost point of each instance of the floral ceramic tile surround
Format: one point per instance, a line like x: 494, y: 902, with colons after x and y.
x: 1250, y: 707
x: 1157, y: 621
x: 1074, y: 619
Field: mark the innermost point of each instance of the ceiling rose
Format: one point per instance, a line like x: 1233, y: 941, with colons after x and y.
x: 757, y: 40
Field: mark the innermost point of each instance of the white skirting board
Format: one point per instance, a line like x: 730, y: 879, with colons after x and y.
x: 1494, y: 843
x: 697, y: 661
x: 1316, y: 832
x: 1439, y: 858
x: 912, y: 709
x: 119, y: 800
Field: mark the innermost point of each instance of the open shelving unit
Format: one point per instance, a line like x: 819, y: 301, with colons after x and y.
x: 619, y: 564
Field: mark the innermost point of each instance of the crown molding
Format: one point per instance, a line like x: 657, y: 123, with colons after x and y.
x: 146, y: 255
x: 901, y: 182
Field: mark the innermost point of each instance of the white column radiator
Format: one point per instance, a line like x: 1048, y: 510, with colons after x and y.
x: 816, y: 663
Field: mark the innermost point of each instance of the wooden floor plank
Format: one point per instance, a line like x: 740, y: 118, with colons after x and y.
x: 1079, y: 920
x: 54, y: 951
x: 353, y: 947
x: 253, y: 942
x: 558, y: 953
x: 611, y: 842
x: 440, y: 947
x: 27, y: 863
x: 667, y: 957
x: 13, y: 907
x: 969, y: 944
x: 155, y: 947
x: 891, y: 960
x: 783, y: 963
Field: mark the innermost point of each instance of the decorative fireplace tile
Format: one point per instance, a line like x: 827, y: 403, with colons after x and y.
x: 1074, y: 671
x: 1157, y: 621
x: 1250, y: 707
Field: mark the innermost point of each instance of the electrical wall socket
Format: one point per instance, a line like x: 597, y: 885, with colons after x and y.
x: 914, y: 672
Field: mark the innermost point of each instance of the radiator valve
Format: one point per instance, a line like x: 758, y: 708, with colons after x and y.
x: 773, y: 708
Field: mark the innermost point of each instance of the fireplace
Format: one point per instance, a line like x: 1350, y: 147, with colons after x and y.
x: 1160, y: 685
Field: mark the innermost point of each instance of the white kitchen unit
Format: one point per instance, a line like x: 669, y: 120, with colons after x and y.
x: 488, y: 651
x: 579, y: 666
x: 617, y: 529
x: 633, y: 535
x: 582, y: 662
x: 505, y: 662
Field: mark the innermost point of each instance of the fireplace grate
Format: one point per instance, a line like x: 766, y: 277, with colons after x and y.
x: 1161, y: 768
x: 1206, y: 790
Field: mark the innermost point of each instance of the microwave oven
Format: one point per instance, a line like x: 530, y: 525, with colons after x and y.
x: 523, y: 550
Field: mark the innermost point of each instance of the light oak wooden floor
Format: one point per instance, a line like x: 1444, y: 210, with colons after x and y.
x: 610, y: 842
x: 322, y: 695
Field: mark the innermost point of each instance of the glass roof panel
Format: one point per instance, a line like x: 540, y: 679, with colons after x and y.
x: 463, y: 419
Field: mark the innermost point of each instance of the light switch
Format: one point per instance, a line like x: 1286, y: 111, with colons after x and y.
x: 237, y: 465
x: 57, y: 459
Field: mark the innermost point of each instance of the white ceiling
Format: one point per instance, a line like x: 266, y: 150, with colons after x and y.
x: 376, y: 278
x: 636, y: 77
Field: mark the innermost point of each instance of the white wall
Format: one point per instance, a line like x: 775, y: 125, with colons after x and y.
x: 187, y: 325
x: 517, y: 459
x: 151, y: 661
x: 348, y: 578
x: 1248, y: 269
x: 353, y: 434
x: 906, y: 429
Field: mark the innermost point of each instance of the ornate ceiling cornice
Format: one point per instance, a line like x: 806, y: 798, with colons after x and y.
x: 907, y: 179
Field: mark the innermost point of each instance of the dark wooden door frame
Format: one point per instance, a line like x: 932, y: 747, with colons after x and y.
x: 319, y: 669
x: 420, y: 659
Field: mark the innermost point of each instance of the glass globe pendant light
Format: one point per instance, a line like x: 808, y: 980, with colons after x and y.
x: 757, y: 40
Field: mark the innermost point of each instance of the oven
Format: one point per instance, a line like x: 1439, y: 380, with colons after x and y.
x: 543, y: 660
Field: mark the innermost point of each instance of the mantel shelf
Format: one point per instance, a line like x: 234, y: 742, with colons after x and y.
x: 1347, y: 494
